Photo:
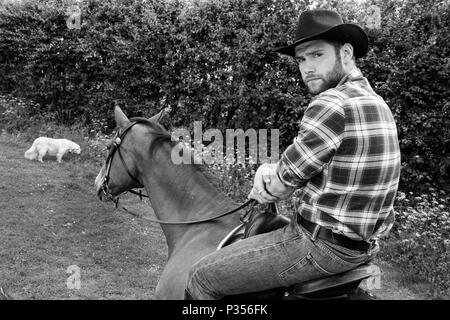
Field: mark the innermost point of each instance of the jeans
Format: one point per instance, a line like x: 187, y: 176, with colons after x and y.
x: 279, y: 258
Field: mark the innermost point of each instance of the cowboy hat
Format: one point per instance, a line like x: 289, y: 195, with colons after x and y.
x: 327, y: 25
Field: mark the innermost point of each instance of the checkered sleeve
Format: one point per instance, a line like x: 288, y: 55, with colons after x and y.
x: 320, y: 135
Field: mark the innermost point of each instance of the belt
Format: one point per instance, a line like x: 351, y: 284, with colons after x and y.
x: 330, y: 236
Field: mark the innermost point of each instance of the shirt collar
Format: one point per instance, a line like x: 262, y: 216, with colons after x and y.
x: 352, y: 75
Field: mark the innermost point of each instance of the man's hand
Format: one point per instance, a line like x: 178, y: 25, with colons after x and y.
x: 267, y: 187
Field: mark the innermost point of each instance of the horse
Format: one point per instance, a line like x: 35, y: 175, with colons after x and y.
x: 140, y: 157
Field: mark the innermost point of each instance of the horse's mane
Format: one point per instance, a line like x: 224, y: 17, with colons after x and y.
x: 160, y: 133
x: 158, y: 128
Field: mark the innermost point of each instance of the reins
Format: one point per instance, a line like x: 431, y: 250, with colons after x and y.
x: 105, y: 189
x: 189, y: 221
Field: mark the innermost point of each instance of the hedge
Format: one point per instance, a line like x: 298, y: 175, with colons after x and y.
x: 213, y: 61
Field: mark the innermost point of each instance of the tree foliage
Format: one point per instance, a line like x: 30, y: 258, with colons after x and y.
x: 213, y: 61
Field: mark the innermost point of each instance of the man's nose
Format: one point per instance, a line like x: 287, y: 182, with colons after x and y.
x: 307, y: 68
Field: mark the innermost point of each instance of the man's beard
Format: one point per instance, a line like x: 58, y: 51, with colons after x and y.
x: 330, y: 80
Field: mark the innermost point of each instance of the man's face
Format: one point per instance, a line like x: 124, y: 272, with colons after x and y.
x: 319, y: 64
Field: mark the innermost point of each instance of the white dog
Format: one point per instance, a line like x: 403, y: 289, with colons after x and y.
x: 54, y: 147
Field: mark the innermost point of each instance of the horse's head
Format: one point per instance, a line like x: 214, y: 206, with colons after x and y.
x: 120, y: 171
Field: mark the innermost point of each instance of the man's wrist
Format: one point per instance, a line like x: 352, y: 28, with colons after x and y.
x: 285, y: 176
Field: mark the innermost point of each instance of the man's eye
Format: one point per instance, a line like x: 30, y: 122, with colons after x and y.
x: 316, y: 55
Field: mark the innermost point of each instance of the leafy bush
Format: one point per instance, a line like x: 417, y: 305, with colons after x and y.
x: 15, y: 113
x: 212, y: 60
x: 420, y: 239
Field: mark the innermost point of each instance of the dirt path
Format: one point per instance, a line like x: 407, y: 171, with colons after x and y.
x: 51, y: 221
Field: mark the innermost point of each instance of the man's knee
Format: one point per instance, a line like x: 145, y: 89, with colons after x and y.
x: 198, y: 286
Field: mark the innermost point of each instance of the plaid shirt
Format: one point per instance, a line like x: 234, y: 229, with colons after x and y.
x: 347, y: 159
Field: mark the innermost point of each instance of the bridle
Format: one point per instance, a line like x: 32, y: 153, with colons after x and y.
x: 116, y: 147
x: 106, y: 190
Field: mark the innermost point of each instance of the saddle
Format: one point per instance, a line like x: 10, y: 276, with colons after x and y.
x: 339, y: 286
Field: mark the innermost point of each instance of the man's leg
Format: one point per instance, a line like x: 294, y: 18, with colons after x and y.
x: 280, y: 258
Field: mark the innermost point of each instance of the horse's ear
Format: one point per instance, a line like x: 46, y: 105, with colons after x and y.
x: 121, y: 118
x: 157, y: 117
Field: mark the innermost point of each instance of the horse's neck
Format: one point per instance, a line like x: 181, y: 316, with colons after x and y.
x: 182, y: 193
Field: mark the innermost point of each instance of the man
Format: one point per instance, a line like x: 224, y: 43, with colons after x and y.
x: 345, y: 159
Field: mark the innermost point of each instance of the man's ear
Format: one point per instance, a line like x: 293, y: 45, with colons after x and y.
x: 347, y: 53
x: 120, y: 117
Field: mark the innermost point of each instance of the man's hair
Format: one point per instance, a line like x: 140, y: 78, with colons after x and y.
x: 337, y: 47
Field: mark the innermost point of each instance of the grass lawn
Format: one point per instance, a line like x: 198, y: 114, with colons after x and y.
x: 51, y: 219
